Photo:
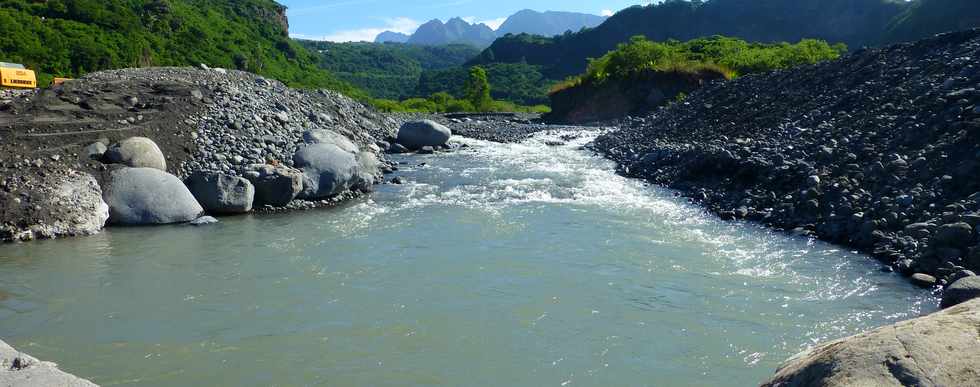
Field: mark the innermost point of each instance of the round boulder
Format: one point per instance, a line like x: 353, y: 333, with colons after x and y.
x: 136, y: 152
x: 963, y: 290
x: 221, y: 194
x: 324, y: 136
x: 139, y: 196
x: 275, y: 186
x: 329, y: 170
x: 416, y: 134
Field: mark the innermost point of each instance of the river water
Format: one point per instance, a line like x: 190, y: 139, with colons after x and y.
x: 496, y: 265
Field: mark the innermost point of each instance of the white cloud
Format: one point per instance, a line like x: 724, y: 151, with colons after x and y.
x: 399, y: 24
x: 606, y: 12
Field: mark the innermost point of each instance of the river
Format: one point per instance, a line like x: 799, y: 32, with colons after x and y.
x: 498, y: 264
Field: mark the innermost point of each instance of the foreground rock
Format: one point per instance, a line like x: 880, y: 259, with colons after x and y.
x: 220, y: 193
x: 68, y: 204
x: 415, y: 135
x: 941, y: 349
x: 19, y: 369
x: 145, y: 196
x: 136, y: 152
x: 876, y: 151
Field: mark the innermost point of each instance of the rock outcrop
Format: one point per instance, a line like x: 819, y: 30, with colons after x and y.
x: 136, y: 152
x: 941, y: 349
x: 146, y: 196
x: 18, y: 369
x: 963, y: 290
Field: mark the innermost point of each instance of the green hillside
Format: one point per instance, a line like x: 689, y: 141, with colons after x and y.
x: 69, y: 38
x: 387, y: 70
x: 928, y: 17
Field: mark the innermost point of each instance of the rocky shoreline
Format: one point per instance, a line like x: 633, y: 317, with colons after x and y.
x: 876, y: 151
x: 167, y: 145
x: 20, y: 369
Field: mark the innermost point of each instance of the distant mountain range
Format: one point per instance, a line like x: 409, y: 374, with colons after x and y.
x: 459, y: 31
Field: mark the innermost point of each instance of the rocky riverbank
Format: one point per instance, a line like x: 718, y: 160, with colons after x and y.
x: 167, y: 145
x: 876, y: 151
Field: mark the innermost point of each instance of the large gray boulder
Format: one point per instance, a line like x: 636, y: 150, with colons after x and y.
x: 324, y: 136
x: 139, y: 196
x: 941, y: 349
x: 219, y: 193
x: 136, y: 152
x: 275, y: 186
x: 329, y: 170
x: 417, y: 134
x: 19, y: 369
x: 964, y: 289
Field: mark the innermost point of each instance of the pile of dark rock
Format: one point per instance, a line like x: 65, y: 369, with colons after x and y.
x: 879, y: 150
x: 167, y: 145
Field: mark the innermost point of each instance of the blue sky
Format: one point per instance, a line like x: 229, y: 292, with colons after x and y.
x: 354, y: 20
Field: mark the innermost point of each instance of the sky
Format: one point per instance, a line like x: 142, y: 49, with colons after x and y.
x: 362, y: 20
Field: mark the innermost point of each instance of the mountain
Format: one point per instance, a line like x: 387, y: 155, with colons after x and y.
x: 456, y: 30
x: 856, y: 23
x: 72, y: 38
x: 391, y: 37
x: 547, y: 23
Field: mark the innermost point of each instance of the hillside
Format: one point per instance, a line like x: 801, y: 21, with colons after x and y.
x: 387, y: 70
x: 72, y: 38
x: 548, y: 23
x: 856, y: 23
x: 391, y: 37
x: 927, y: 17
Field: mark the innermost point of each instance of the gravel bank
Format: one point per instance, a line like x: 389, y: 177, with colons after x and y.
x: 202, y: 119
x: 877, y: 151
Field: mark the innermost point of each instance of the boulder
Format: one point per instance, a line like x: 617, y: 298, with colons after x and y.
x: 961, y: 291
x: 324, y: 136
x: 275, y: 186
x: 941, y: 349
x: 329, y: 170
x: 20, y: 369
x: 204, y: 221
x: 141, y: 196
x: 957, y: 235
x: 95, y: 150
x: 923, y: 280
x: 220, y: 193
x: 416, y: 134
x: 136, y: 152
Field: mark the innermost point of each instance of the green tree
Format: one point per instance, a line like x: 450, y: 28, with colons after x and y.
x: 477, y: 89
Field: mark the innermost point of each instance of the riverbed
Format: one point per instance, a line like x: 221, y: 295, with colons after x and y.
x: 527, y: 264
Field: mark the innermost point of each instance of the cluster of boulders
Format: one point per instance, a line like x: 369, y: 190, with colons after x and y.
x: 877, y: 151
x: 201, y: 141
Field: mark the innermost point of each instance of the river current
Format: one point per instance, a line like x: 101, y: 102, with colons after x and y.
x: 495, y: 265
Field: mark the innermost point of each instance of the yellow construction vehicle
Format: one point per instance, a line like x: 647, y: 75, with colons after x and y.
x: 15, y: 76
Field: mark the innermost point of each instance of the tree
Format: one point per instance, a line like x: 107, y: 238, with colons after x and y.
x: 477, y: 89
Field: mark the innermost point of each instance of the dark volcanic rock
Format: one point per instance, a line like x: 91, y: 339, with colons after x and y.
x: 961, y: 291
x: 221, y: 194
x: 877, y: 150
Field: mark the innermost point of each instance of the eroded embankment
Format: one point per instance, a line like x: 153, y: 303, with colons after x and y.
x: 877, y: 150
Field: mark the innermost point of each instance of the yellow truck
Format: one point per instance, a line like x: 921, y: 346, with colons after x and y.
x: 15, y: 76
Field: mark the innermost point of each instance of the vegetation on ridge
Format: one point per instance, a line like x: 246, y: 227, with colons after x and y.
x: 724, y: 55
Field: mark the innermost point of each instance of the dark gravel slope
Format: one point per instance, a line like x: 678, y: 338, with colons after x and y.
x: 879, y: 150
